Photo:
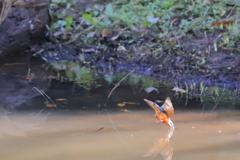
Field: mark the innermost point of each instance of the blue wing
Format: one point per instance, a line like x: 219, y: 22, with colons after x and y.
x: 160, y: 108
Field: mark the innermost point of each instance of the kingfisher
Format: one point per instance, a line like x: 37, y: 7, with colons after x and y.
x: 164, y: 112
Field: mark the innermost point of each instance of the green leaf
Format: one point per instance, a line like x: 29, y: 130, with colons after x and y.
x: 145, y: 23
x: 69, y: 20
x: 109, y: 10
x: 87, y: 16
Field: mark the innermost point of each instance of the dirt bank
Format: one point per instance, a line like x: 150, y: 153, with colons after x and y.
x: 23, y: 27
x: 200, y: 55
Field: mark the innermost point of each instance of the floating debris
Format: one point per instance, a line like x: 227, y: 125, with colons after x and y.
x: 121, y: 104
x: 60, y: 99
x: 124, y: 103
x: 125, y: 110
x: 134, y: 103
x: 50, y: 105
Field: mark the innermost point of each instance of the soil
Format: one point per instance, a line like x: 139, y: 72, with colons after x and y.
x: 180, y: 65
x: 195, y: 60
x: 21, y: 29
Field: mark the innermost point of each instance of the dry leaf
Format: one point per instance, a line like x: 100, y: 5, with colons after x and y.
x: 114, y: 38
x: 61, y: 99
x: 29, y: 78
x: 121, y: 48
x: 176, y: 89
x: 50, y: 105
x: 224, y: 23
x: 57, y: 33
x: 104, y: 32
x: 121, y: 104
x: 134, y: 103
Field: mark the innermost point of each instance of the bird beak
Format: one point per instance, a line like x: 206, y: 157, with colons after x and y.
x: 170, y: 123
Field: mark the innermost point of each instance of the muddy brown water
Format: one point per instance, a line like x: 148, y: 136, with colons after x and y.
x: 82, y: 128
x: 120, y: 135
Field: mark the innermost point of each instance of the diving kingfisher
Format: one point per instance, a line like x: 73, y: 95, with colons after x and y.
x: 164, y: 112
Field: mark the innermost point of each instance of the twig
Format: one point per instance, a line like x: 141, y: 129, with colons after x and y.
x: 118, y: 84
x: 48, y: 97
x: 47, y: 102
x: 231, y: 11
x: 41, y: 94
x: 110, y: 119
x: 187, y: 92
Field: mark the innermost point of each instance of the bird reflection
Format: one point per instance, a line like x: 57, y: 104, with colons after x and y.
x: 162, y: 145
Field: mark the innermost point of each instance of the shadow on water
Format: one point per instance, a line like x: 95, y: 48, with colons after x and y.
x: 81, y: 126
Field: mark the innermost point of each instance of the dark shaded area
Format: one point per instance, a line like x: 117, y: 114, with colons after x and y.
x: 17, y: 81
x: 21, y: 29
x: 78, y: 98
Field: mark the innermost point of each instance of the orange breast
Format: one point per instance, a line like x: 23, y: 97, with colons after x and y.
x: 162, y: 117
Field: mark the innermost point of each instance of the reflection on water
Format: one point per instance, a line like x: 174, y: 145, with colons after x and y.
x: 162, y: 145
x: 81, y: 127
x: 18, y: 125
x: 84, y: 135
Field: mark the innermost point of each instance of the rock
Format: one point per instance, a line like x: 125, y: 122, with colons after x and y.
x: 21, y: 27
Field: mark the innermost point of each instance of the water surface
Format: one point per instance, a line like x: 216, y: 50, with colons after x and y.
x: 120, y: 135
x: 83, y: 127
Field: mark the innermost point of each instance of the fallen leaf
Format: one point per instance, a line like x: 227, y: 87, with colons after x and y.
x: 121, y: 48
x: 134, y: 103
x: 57, y: 33
x: 121, y: 104
x: 50, y: 105
x: 29, y: 78
x: 176, y: 89
x: 104, y: 32
x: 224, y: 23
x: 61, y: 99
x: 114, y: 38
